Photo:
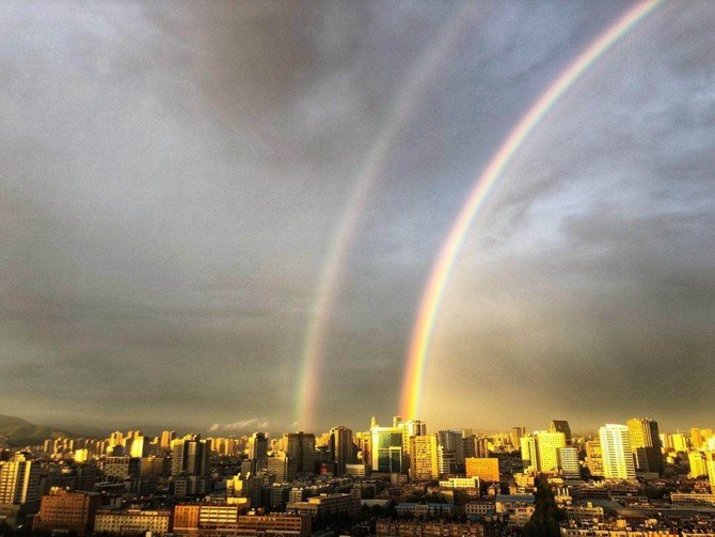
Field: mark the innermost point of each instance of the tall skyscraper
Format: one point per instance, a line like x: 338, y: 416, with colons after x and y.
x: 423, y: 456
x: 616, y: 452
x: 165, y: 440
x: 258, y: 451
x: 387, y: 451
x: 20, y: 481
x: 529, y: 457
x: 451, y: 451
x: 645, y: 443
x: 341, y: 448
x: 300, y: 448
x: 190, y: 456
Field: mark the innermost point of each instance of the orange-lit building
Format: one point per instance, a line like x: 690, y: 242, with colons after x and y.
x: 69, y: 511
x: 486, y: 469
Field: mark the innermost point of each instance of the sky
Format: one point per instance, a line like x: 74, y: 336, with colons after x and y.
x: 174, y: 175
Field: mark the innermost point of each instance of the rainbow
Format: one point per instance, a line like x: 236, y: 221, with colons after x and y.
x: 313, y: 352
x: 432, y: 295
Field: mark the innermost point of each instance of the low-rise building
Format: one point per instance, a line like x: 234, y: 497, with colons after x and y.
x: 133, y: 521
x: 61, y: 510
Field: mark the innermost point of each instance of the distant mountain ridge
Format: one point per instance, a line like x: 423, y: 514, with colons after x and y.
x: 19, y: 432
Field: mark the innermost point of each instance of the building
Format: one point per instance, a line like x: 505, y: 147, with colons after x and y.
x: 547, y: 446
x: 594, y: 457
x: 451, y: 454
x: 424, y: 464
x: 190, y: 456
x: 698, y: 468
x: 122, y: 467
x: 568, y: 462
x: 276, y: 524
x: 616, y: 452
x: 133, y: 521
x: 679, y: 442
x: 517, y: 507
x: 710, y: 465
x: 424, y: 510
x: 645, y: 444
x: 416, y: 528
x: 278, y: 466
x: 20, y: 481
x: 409, y: 429
x: 258, y: 451
x: 386, y: 449
x: 561, y: 426
x: 529, y: 456
x: 300, y: 449
x: 318, y: 506
x: 341, y: 448
x: 65, y: 511
x: 460, y: 483
x: 486, y: 469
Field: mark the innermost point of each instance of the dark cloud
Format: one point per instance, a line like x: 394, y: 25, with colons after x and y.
x: 172, y: 176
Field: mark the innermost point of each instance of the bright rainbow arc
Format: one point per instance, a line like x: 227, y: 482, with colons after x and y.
x: 313, y: 351
x: 439, y: 276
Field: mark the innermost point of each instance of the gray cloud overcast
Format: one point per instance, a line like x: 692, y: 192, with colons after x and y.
x: 172, y: 174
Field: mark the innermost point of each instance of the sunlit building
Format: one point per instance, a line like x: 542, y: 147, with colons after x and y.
x: 547, y: 446
x: 20, y: 481
x: 645, y: 443
x: 485, y: 468
x: 616, y: 452
x: 423, y: 457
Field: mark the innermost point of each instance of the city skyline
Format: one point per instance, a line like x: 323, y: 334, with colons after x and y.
x: 246, y: 214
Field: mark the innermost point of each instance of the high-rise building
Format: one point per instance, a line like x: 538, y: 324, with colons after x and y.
x: 451, y: 451
x: 561, y: 426
x: 516, y: 434
x: 423, y: 457
x: 680, y: 442
x: 387, y: 451
x: 710, y: 465
x: 341, y: 448
x: 568, y: 462
x: 547, y: 445
x: 616, y: 452
x: 529, y: 457
x: 190, y: 456
x: 165, y: 439
x: 278, y: 466
x: 20, y: 481
x: 258, y: 451
x: 594, y: 457
x: 645, y: 443
x: 698, y: 468
x: 300, y: 449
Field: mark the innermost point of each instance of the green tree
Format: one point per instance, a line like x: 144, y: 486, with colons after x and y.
x: 545, y: 520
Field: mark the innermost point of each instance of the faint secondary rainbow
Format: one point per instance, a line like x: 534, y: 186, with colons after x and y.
x: 313, y: 352
x: 442, y: 267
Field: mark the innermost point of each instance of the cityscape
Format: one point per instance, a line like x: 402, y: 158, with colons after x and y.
x: 393, y: 479
x: 340, y: 268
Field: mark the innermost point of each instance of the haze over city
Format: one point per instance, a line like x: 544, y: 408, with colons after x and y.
x: 225, y: 215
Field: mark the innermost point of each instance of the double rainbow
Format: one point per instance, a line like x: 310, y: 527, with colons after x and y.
x: 439, y: 276
x: 313, y: 352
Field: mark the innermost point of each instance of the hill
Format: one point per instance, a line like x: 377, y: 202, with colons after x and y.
x: 19, y: 432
